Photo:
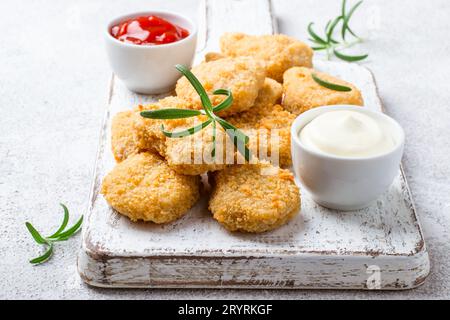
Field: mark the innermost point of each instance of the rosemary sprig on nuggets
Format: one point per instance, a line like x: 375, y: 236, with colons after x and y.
x: 329, y: 43
x: 239, y: 139
x: 329, y: 85
x: 60, y: 235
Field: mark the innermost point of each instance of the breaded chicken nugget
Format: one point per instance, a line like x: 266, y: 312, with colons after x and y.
x: 262, y: 120
x: 268, y: 127
x: 302, y: 93
x: 132, y: 134
x: 143, y: 187
x: 125, y: 139
x: 213, y: 56
x: 149, y: 130
x: 191, y: 155
x: 254, y: 198
x: 279, y: 52
x: 243, y: 76
x: 270, y: 93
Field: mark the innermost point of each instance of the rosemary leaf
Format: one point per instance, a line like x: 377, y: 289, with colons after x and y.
x: 47, y: 255
x: 226, y: 103
x: 35, y: 234
x: 170, y: 113
x: 328, y: 42
x: 207, y: 105
x: 329, y: 85
x: 314, y: 35
x: 349, y: 58
x: 213, y: 151
x: 74, y: 229
x: 64, y: 222
x: 237, y: 133
x: 192, y: 79
x: 331, y: 30
x: 187, y: 132
x: 59, y: 235
x: 346, y: 19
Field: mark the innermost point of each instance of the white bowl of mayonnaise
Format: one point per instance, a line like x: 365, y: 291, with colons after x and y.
x: 346, y: 156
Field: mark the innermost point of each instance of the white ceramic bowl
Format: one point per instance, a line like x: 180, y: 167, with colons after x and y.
x: 345, y: 183
x: 151, y: 69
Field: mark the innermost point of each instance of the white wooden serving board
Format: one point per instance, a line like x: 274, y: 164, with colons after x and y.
x: 380, y: 247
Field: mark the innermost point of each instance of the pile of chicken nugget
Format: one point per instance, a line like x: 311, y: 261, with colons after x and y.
x: 159, y: 179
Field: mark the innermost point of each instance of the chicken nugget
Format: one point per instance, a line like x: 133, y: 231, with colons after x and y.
x: 279, y: 52
x: 192, y: 155
x: 132, y: 134
x: 302, y: 93
x: 268, y: 127
x: 254, y: 198
x: 149, y: 130
x: 265, y: 119
x: 243, y: 76
x: 270, y: 93
x: 213, y: 56
x: 143, y: 187
x: 125, y: 139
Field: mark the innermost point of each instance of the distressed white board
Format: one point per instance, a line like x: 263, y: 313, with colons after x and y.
x: 320, y: 248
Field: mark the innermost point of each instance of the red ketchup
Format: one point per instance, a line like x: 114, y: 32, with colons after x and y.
x: 148, y: 30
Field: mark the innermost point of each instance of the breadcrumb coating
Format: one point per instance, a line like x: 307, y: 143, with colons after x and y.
x: 254, y: 198
x: 270, y: 93
x: 264, y: 119
x: 132, y: 134
x: 150, y: 129
x: 243, y: 76
x: 143, y: 187
x: 191, y: 155
x: 279, y: 52
x: 213, y: 56
x: 302, y: 93
x: 125, y: 140
x: 263, y: 123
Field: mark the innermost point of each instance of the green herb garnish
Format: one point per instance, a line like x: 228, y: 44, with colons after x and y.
x: 60, y: 235
x: 329, y: 85
x: 328, y: 42
x: 239, y: 139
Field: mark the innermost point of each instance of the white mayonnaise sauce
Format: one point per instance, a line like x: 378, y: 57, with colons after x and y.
x: 347, y: 134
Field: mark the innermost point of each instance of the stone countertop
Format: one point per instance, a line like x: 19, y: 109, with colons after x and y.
x: 53, y: 90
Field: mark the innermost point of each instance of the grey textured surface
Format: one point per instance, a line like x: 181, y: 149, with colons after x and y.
x: 53, y: 88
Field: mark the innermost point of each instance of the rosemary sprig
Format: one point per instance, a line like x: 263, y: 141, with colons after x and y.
x: 329, y: 85
x: 60, y: 235
x: 328, y: 42
x: 239, y: 139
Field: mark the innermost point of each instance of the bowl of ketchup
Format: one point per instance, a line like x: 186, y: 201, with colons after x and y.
x: 144, y: 47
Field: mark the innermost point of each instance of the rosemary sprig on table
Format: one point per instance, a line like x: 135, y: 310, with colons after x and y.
x: 239, y: 139
x: 60, y: 235
x: 329, y: 85
x: 329, y: 43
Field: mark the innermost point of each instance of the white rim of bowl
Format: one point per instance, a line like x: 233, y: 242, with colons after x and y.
x: 295, y: 130
x: 192, y: 31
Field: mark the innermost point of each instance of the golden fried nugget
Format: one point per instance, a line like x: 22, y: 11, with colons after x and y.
x: 125, y: 139
x: 132, y: 134
x: 270, y: 93
x: 143, y: 187
x: 243, y: 76
x: 192, y: 155
x: 268, y: 127
x: 150, y: 129
x: 302, y: 93
x: 279, y: 52
x: 254, y: 198
x: 213, y: 56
